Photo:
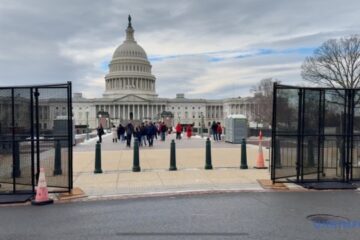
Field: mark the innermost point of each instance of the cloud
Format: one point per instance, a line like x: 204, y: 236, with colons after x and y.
x: 212, y: 49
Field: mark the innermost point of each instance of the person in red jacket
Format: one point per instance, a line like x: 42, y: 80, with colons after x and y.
x: 178, y: 129
x: 189, y: 131
x: 219, y: 130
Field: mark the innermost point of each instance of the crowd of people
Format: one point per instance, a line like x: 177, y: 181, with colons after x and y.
x: 146, y: 132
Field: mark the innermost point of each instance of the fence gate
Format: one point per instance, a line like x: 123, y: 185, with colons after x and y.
x: 35, y: 132
x: 316, y: 134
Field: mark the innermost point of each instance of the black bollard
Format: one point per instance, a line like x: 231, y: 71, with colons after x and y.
x: 98, y: 158
x: 172, y: 156
x: 16, y: 169
x: 57, y: 163
x: 136, y: 163
x: 243, y: 155
x: 208, y: 164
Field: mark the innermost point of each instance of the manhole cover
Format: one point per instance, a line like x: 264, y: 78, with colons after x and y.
x: 326, y: 218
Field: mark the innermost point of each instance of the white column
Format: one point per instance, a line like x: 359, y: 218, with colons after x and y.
x: 138, y: 111
x: 143, y: 110
x: 122, y: 111
x: 126, y: 116
x: 133, y: 110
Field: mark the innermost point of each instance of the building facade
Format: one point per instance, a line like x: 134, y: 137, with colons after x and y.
x: 130, y: 94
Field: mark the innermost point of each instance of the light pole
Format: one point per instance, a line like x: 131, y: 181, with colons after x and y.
x: 87, y: 125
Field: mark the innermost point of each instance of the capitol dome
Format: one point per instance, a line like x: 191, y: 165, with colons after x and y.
x: 130, y: 70
x: 129, y: 49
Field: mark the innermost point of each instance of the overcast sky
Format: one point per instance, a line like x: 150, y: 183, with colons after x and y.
x: 204, y: 48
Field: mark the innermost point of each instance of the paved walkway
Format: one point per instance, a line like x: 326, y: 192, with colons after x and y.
x: 118, y: 179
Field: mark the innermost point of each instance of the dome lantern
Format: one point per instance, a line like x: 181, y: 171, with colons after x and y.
x: 130, y: 31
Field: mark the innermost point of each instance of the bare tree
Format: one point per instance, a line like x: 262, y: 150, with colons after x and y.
x: 263, y: 97
x: 336, y: 63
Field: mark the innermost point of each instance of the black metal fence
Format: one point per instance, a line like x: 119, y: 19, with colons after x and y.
x: 35, y: 132
x: 316, y: 134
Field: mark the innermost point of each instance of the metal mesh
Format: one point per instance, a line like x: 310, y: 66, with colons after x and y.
x: 35, y: 132
x: 316, y: 134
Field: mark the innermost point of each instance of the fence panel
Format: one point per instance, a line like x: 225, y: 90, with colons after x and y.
x: 35, y: 132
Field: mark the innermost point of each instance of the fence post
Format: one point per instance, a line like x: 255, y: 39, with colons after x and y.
x: 208, y: 164
x: 57, y: 163
x: 16, y: 169
x: 243, y: 155
x: 172, y: 156
x: 98, y: 158
x: 136, y: 163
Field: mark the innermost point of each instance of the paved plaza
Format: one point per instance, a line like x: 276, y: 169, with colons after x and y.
x: 118, y: 179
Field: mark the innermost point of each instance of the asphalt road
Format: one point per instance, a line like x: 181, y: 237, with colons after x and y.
x: 277, y: 216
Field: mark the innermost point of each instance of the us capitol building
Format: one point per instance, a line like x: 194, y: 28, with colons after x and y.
x: 130, y: 94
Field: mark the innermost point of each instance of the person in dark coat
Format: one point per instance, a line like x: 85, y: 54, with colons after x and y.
x: 151, y: 132
x: 100, y: 132
x: 143, y: 134
x: 129, y: 132
x: 163, y: 130
x: 214, y: 128
x: 121, y: 132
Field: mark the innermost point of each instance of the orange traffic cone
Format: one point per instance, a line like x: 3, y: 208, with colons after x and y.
x: 42, y: 195
x: 260, y: 164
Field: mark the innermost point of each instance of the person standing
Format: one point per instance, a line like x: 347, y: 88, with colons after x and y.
x: 163, y: 130
x: 100, y: 132
x: 114, y: 134
x: 151, y: 132
x: 178, y: 129
x: 214, y: 128
x: 129, y: 132
x: 121, y: 133
x: 143, y: 134
x: 189, y: 131
x: 219, y: 131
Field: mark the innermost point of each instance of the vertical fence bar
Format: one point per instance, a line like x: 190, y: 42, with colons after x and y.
x: 13, y: 138
x: 344, y: 137
x: 32, y: 139
x: 302, y: 127
x: 70, y: 135
x: 298, y: 150
x: 37, y: 133
x: 320, y: 131
x: 352, y: 134
x: 273, y: 134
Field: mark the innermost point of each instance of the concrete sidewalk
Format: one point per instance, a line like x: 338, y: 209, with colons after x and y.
x: 118, y: 179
